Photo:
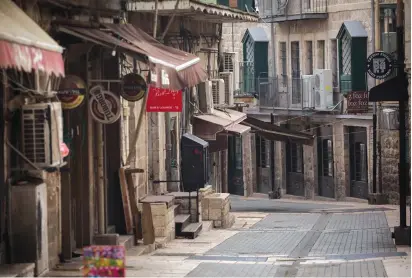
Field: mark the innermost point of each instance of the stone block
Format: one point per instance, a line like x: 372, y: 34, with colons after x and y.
x: 217, y: 224
x: 158, y: 209
x: 215, y: 214
x: 106, y: 239
x: 159, y: 221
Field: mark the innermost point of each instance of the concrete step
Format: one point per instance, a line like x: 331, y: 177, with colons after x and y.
x: 181, y: 222
x: 207, y: 226
x: 127, y: 241
x: 17, y: 270
x: 176, y: 209
x: 192, y: 230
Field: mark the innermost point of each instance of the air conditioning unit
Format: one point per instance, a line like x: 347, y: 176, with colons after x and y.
x: 231, y: 64
x: 228, y: 78
x: 204, y: 93
x: 308, y: 91
x: 42, y: 133
x: 323, y: 89
x: 218, y: 91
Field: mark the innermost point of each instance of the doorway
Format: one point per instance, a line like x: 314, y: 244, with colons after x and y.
x: 294, y: 169
x: 235, y: 166
x: 358, y: 162
x: 326, y: 185
x: 263, y: 165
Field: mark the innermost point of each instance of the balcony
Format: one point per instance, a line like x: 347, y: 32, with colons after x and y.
x: 200, y: 10
x: 287, y: 93
x: 288, y: 10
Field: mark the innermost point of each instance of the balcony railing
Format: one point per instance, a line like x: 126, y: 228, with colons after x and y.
x: 288, y: 92
x: 284, y: 10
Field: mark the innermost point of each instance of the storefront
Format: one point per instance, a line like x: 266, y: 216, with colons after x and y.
x: 114, y: 52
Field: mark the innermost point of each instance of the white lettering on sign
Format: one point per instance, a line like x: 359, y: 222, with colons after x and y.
x: 153, y: 76
x: 165, y: 78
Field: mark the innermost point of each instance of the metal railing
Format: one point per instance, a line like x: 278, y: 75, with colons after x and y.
x: 275, y: 8
x: 283, y: 92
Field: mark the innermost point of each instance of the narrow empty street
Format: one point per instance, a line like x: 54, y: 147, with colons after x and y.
x: 294, y: 239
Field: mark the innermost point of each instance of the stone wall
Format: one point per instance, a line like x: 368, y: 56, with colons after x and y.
x: 52, y: 181
x: 232, y: 35
x: 390, y: 161
x: 247, y: 164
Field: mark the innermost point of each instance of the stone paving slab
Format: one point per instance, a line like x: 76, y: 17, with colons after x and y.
x: 259, y: 242
x: 353, y: 242
x: 357, y: 221
x: 233, y: 270
x: 356, y: 269
x: 287, y: 221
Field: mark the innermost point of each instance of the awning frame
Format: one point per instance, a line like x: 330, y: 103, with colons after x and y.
x: 277, y: 133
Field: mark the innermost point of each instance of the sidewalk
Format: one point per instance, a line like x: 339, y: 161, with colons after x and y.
x: 274, y: 246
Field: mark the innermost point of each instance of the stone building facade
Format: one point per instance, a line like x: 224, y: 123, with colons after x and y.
x: 322, y: 35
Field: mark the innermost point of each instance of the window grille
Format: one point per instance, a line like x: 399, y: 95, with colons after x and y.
x: 309, y: 55
x: 361, y: 166
x: 295, y: 65
x: 283, y: 62
x: 262, y: 152
x: 321, y: 55
x: 346, y: 55
x: 296, y: 158
x: 327, y: 155
x: 238, y: 152
x: 334, y: 66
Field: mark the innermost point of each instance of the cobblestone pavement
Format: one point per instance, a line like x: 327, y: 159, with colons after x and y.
x: 335, y: 243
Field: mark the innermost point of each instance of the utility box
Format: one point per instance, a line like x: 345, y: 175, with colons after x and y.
x: 29, y: 235
x: 195, y: 162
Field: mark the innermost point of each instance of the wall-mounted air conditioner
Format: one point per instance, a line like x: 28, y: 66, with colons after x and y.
x: 323, y: 89
x: 308, y: 91
x: 228, y: 79
x: 205, y: 97
x: 218, y: 91
x: 231, y: 64
x: 42, y: 133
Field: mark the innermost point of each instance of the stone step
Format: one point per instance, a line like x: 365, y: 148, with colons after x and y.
x: 127, y: 241
x: 192, y: 230
x: 181, y: 222
x: 176, y: 209
x: 17, y: 270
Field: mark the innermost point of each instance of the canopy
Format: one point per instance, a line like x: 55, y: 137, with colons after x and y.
x: 183, y: 68
x: 26, y: 46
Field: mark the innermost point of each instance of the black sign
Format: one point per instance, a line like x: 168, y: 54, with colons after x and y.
x: 379, y: 65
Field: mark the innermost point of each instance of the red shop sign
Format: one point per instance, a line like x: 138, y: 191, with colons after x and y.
x: 164, y: 100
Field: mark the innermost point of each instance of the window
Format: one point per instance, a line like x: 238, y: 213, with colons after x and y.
x: 296, y: 158
x: 309, y: 56
x: 361, y: 166
x: 321, y: 55
x: 334, y: 65
x: 262, y: 152
x: 283, y: 62
x: 238, y: 153
x: 327, y: 158
x: 295, y: 65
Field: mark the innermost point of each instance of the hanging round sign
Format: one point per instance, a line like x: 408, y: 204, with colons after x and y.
x: 379, y: 65
x: 104, y: 105
x: 134, y: 87
x: 71, y: 92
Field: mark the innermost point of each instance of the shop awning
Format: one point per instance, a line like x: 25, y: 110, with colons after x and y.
x: 183, y: 68
x: 277, y: 133
x: 209, y: 126
x: 194, y: 9
x: 26, y: 46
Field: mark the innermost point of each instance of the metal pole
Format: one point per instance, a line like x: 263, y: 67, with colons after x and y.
x: 374, y: 149
x: 272, y: 157
x: 403, y: 163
